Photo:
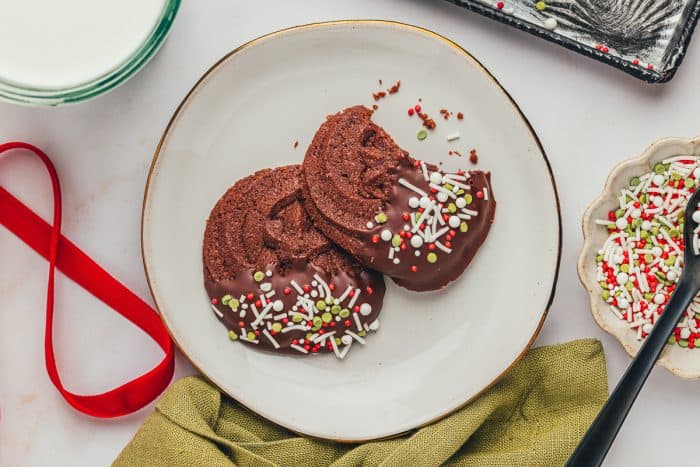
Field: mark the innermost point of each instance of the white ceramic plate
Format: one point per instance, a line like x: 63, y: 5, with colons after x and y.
x: 683, y: 362
x: 435, y: 351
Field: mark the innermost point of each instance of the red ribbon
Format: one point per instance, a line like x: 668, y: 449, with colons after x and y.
x: 60, y: 252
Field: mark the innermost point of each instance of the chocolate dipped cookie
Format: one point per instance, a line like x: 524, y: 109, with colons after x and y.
x: 275, y: 281
x: 398, y: 215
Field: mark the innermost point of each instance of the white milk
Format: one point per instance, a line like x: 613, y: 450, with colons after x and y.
x: 53, y: 44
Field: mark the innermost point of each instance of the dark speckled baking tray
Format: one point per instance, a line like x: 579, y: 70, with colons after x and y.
x: 645, y: 38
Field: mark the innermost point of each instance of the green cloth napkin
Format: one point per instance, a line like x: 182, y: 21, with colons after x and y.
x: 534, y: 416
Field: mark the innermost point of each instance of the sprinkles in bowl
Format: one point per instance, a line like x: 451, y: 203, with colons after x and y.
x: 641, y: 261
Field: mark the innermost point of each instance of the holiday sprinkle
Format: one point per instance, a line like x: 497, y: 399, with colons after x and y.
x: 640, y: 262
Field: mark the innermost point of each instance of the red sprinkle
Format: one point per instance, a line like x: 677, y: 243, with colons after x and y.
x: 214, y: 301
x: 370, y: 290
x: 307, y: 288
x: 375, y: 238
x: 287, y: 290
x: 351, y: 293
x: 241, y: 324
x: 417, y: 108
x: 356, y: 308
x: 650, y: 66
x: 405, y: 216
x: 635, y: 62
x: 411, y: 111
x: 480, y: 194
x: 500, y: 5
x: 414, y: 268
x: 331, y: 287
x: 258, y: 303
x: 250, y: 296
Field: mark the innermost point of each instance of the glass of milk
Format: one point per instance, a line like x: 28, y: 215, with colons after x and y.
x: 59, y: 51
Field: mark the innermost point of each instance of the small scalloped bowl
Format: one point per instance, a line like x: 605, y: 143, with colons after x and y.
x: 683, y: 362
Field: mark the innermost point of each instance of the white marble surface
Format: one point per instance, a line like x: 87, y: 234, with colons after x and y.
x: 588, y: 117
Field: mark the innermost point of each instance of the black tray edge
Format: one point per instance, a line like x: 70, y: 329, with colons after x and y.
x: 650, y: 76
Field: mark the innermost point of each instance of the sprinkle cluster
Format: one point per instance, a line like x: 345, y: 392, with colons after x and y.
x: 431, y: 220
x: 330, y: 322
x: 640, y: 262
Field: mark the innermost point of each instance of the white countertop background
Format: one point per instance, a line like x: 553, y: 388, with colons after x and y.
x: 588, y: 116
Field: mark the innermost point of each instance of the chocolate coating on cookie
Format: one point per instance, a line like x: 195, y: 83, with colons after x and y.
x: 402, y: 217
x: 278, y: 283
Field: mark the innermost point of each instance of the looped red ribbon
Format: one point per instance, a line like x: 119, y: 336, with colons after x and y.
x: 60, y: 252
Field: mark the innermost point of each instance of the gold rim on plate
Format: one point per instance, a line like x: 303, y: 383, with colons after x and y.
x: 467, y: 56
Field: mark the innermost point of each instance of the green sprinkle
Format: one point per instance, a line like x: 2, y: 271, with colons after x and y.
x: 447, y: 186
x: 625, y: 268
x: 327, y: 317
x: 634, y: 181
x: 599, y: 258
x: 362, y: 333
x: 468, y: 198
x: 396, y: 240
x: 460, y: 192
x: 337, y: 341
x: 671, y: 340
x: 225, y: 299
x: 636, y: 223
x: 654, y: 230
x: 463, y: 227
x: 689, y: 183
x: 648, y: 296
x: 232, y: 335
x: 675, y: 176
x: 308, y: 335
x: 659, y: 169
x: 683, y: 343
x: 381, y: 218
x: 644, y: 234
x: 629, y: 286
x: 611, y: 227
x: 670, y: 260
x: 234, y: 304
x: 344, y: 313
x: 603, y: 284
x: 619, y: 213
x: 431, y: 257
x: 452, y: 208
x: 297, y: 318
x: 250, y: 336
x: 422, y: 134
x: 540, y: 6
x: 335, y: 309
x: 317, y: 323
x: 277, y: 327
x: 605, y: 295
x: 697, y: 315
x: 674, y: 233
x: 259, y: 276
x: 320, y: 305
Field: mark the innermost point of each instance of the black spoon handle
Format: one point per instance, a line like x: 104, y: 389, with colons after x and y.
x: 597, y: 441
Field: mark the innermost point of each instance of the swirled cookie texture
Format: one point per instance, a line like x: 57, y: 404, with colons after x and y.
x: 275, y: 281
x: 396, y: 214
